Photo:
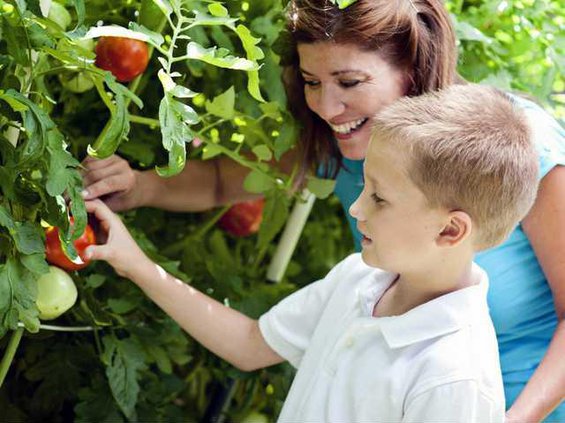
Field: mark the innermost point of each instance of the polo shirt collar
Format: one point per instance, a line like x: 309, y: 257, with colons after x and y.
x: 441, y: 316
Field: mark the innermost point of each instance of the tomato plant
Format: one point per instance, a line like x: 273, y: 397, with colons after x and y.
x: 126, y: 58
x: 55, y: 254
x: 214, y: 73
x: 243, y: 219
x: 56, y: 293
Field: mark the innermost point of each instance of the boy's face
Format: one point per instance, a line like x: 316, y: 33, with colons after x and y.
x: 399, y: 229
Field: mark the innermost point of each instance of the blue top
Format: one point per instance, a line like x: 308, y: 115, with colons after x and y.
x: 520, y: 299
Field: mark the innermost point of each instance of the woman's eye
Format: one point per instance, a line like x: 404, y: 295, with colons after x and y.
x: 376, y: 198
x: 311, y: 83
x: 349, y: 83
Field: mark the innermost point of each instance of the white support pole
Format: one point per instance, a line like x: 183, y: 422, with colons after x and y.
x: 289, y: 238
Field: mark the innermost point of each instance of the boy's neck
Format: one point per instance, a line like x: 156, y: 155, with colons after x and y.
x: 410, y: 291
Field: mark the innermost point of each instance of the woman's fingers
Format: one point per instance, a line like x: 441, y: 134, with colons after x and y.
x: 93, y: 175
x: 100, y: 211
x: 106, y: 186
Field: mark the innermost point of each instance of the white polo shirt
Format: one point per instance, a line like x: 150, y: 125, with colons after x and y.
x: 437, y: 362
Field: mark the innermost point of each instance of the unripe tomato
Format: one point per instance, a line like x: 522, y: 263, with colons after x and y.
x: 56, y: 293
x: 124, y: 57
x: 55, y: 254
x: 255, y: 417
x: 243, y: 219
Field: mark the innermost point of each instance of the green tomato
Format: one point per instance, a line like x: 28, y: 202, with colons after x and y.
x: 255, y: 417
x: 78, y: 82
x: 60, y: 15
x: 56, y: 293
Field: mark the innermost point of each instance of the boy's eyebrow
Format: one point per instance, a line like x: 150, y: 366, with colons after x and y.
x: 335, y: 73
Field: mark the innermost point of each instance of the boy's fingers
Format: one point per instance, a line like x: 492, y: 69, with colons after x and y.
x: 100, y: 210
x: 96, y: 252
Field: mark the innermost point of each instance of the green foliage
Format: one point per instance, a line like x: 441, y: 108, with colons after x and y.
x: 214, y: 76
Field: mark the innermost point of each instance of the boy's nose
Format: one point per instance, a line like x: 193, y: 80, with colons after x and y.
x: 355, y: 209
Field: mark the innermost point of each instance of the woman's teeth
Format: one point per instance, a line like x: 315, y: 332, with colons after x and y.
x: 346, y: 128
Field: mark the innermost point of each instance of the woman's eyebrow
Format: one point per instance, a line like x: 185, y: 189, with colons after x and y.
x: 336, y: 73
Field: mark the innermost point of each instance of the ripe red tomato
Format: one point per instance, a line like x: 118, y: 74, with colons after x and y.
x: 124, y: 57
x: 55, y: 254
x: 243, y: 219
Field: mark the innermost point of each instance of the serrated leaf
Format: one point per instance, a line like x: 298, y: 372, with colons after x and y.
x: 28, y: 238
x: 217, y: 57
x: 207, y: 20
x: 117, y: 31
x: 124, y: 359
x: 223, y: 104
x: 321, y: 188
x: 154, y: 38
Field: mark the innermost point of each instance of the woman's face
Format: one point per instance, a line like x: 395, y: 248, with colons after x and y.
x: 346, y: 87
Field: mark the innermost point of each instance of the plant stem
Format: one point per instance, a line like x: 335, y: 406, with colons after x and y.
x: 10, y: 353
x: 144, y: 121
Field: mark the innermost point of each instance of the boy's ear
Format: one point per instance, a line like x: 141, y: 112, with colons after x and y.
x: 458, y: 227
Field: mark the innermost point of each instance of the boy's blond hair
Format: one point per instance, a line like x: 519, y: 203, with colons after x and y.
x: 470, y: 149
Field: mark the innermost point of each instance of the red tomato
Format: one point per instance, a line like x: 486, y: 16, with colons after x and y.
x: 243, y: 219
x: 124, y: 57
x: 55, y: 254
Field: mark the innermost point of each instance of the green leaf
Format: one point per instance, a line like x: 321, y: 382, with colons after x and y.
x: 287, y: 137
x: 218, y: 57
x: 124, y: 360
x: 258, y: 182
x: 116, y: 128
x: 16, y: 105
x: 275, y: 215
x: 153, y: 38
x: 35, y: 263
x: 321, y: 188
x: 216, y: 9
x: 94, y: 281
x: 123, y: 305
x: 175, y: 119
x: 207, y: 20
x: 28, y: 238
x: 254, y: 53
x: 223, y: 105
x: 211, y: 150
x: 466, y: 31
x: 262, y: 152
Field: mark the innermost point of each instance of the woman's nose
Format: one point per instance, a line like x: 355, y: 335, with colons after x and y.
x: 327, y: 103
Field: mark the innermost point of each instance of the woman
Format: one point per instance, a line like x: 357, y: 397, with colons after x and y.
x: 349, y: 64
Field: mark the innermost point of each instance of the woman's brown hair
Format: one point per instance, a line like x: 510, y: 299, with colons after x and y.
x: 413, y: 35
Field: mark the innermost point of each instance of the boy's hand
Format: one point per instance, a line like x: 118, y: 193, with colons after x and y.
x: 119, y: 248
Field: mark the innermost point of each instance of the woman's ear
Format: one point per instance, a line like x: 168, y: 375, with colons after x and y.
x: 458, y: 228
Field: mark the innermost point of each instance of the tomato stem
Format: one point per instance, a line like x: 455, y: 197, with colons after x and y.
x: 10, y: 353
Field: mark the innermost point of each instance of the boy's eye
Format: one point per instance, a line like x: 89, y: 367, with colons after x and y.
x: 376, y: 198
x: 348, y: 83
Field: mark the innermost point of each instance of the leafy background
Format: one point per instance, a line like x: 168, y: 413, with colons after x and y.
x: 137, y: 365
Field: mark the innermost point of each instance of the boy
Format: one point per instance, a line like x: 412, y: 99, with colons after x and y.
x: 400, y: 332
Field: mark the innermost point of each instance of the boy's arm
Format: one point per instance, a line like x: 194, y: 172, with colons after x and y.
x: 460, y: 401
x: 224, y: 331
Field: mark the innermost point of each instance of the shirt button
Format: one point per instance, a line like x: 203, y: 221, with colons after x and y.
x: 349, y: 342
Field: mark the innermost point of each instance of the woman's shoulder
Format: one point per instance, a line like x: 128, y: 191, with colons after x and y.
x: 547, y: 133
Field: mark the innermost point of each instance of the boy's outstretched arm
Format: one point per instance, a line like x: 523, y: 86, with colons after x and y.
x: 224, y: 331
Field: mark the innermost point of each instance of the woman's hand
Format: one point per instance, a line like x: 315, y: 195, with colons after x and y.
x: 119, y: 248
x: 112, y: 180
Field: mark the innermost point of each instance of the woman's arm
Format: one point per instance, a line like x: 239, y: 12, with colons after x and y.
x: 224, y: 331
x: 200, y: 186
x: 545, y: 228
